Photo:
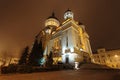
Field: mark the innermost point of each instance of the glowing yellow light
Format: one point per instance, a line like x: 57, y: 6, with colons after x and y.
x: 66, y: 21
x: 81, y: 49
x: 58, y: 28
x: 116, y: 56
x: 52, y: 22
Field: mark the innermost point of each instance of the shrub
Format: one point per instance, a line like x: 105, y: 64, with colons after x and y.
x: 12, y: 68
x: 4, y: 70
x: 24, y: 69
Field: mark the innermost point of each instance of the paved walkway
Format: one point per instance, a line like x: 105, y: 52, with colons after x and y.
x: 65, y: 75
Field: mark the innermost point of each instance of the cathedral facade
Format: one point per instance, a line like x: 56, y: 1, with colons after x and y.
x: 68, y: 41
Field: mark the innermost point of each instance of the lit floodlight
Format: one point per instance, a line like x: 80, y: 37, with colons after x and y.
x: 116, y: 56
x: 81, y: 49
x: 76, y: 65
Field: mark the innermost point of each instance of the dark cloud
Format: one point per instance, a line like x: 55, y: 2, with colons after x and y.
x: 21, y: 20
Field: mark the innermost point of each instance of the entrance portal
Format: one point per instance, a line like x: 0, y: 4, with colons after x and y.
x: 67, y: 59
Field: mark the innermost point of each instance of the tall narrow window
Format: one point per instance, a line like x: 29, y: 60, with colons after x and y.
x: 67, y: 41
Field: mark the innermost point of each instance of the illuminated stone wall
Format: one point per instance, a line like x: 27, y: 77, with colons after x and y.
x: 110, y: 58
x: 7, y: 61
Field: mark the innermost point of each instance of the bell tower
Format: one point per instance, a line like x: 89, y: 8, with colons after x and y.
x: 68, y: 14
x: 51, y: 24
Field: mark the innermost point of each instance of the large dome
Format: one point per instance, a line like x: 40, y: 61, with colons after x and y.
x: 52, y: 21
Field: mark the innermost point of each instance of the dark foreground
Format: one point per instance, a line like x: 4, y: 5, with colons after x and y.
x: 65, y: 75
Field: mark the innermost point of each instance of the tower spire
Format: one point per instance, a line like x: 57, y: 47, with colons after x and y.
x: 53, y: 14
x: 68, y: 9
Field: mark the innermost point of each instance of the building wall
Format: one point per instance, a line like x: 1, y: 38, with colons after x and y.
x: 7, y: 61
x: 110, y: 58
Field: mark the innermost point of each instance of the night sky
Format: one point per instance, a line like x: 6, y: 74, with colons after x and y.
x: 21, y: 20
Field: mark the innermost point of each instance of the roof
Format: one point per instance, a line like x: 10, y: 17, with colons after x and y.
x: 53, y: 16
x: 68, y: 10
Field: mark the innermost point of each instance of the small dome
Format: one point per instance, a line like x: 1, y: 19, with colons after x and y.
x: 68, y: 14
x: 52, y: 21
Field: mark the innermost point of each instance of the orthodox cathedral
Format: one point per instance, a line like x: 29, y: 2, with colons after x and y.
x: 68, y: 41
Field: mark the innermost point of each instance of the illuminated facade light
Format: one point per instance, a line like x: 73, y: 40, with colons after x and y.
x: 81, y: 49
x: 76, y: 65
x: 116, y: 56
